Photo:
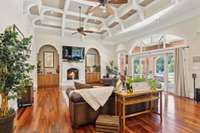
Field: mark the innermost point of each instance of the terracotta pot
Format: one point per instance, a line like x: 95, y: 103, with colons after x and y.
x: 6, y: 123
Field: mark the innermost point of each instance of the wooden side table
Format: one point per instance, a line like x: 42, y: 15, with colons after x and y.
x: 124, y: 99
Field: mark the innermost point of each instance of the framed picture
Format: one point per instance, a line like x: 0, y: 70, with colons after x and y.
x: 91, y: 60
x: 48, y: 59
x: 20, y: 34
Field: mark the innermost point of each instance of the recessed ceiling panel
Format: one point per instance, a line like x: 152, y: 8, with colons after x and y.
x: 39, y: 23
x: 101, y: 12
x: 146, y: 2
x: 70, y: 17
x: 34, y: 10
x: 53, y: 14
x: 74, y: 7
x: 128, y: 14
x: 113, y: 24
x: 93, y: 21
x: 54, y: 3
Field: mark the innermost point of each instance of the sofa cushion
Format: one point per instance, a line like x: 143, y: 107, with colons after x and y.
x: 82, y: 86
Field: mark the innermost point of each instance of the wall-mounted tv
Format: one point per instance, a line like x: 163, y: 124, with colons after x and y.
x: 71, y: 53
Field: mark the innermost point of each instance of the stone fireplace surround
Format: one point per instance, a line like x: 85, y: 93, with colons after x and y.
x: 80, y: 66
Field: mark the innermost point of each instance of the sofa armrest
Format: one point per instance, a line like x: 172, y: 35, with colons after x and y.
x: 75, y: 97
x: 68, y: 90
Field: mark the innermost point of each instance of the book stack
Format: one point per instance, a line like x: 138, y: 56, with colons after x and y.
x: 107, y: 124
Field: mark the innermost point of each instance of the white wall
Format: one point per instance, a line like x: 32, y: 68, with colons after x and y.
x: 189, y: 30
x: 11, y: 13
x: 43, y: 37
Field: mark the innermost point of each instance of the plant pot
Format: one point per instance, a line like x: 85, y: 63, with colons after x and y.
x: 6, y: 123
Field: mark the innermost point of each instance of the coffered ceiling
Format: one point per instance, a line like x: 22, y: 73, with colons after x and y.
x: 63, y: 15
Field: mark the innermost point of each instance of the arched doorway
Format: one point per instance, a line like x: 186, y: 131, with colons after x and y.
x: 48, y: 67
x: 93, y: 66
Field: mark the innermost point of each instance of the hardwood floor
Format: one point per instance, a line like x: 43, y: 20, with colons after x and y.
x: 50, y: 114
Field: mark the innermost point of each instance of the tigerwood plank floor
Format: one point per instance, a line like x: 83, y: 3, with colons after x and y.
x: 50, y: 114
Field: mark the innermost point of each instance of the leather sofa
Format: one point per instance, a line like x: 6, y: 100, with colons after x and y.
x: 81, y: 113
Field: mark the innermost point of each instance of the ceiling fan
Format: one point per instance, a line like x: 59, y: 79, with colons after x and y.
x: 81, y: 29
x: 105, y: 5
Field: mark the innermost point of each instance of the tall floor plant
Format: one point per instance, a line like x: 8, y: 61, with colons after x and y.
x: 14, y: 68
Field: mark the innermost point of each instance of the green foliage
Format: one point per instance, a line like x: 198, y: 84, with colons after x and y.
x: 171, y: 62
x: 160, y: 65
x: 139, y: 79
x: 14, y: 68
x: 112, y: 69
x: 152, y: 83
x: 138, y: 68
x: 129, y: 80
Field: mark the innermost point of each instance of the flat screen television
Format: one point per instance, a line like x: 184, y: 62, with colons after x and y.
x: 73, y: 53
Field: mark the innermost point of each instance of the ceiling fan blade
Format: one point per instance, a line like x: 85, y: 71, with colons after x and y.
x: 118, y: 1
x: 93, y: 9
x: 109, y: 9
x: 74, y: 33
x: 83, y: 33
x: 90, y: 31
x: 72, y: 29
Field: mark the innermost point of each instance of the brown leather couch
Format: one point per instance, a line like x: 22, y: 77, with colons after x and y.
x: 81, y: 113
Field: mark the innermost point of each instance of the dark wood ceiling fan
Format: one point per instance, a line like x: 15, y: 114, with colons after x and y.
x: 81, y: 29
x: 106, y: 5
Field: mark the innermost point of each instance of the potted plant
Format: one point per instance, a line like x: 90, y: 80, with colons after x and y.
x: 14, y: 73
x: 111, y: 69
x: 153, y: 84
x: 129, y: 82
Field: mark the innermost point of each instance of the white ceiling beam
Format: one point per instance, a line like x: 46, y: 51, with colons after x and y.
x: 89, y: 15
x: 83, y: 15
x: 107, y: 29
x: 86, y: 2
x: 66, y: 6
x: 175, y: 1
x: 47, y: 8
x: 139, y: 9
x: 118, y: 19
x: 69, y: 21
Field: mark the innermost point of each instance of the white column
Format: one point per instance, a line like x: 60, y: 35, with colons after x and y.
x: 166, y: 72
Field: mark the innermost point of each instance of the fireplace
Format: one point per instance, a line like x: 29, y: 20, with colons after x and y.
x: 72, y: 74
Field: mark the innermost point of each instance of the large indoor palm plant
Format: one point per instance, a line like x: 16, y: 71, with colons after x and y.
x: 14, y: 73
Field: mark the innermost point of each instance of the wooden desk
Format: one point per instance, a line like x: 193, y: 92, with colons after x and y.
x: 124, y: 99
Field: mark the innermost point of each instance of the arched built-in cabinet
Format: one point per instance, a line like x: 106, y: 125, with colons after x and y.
x: 47, y: 67
x: 93, y: 66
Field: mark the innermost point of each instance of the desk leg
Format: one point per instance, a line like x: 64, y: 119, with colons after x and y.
x: 116, y: 105
x: 123, y: 114
x: 161, y: 113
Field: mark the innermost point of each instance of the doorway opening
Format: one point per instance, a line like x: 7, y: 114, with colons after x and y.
x: 93, y: 66
x: 47, y: 67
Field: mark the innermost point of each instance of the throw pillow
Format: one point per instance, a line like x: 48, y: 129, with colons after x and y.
x: 82, y: 86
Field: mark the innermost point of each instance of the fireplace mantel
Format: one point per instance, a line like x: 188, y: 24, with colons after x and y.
x: 80, y: 66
